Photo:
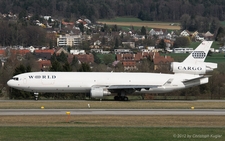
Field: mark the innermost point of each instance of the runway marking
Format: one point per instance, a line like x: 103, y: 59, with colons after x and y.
x: 112, y: 111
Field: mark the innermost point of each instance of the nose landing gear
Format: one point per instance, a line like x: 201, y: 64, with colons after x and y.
x: 36, y: 96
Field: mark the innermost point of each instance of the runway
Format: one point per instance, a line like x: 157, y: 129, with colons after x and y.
x: 112, y: 111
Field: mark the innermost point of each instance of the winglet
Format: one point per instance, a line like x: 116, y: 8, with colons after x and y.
x: 200, y: 53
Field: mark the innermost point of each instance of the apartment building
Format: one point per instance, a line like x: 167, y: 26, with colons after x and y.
x: 69, y: 40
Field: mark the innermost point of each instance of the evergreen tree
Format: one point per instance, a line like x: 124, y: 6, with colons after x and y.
x: 74, y: 62
x: 56, y: 66
x: 62, y: 57
x: 21, y: 69
x: 17, y: 94
x: 162, y: 44
x: 81, y: 26
x: 84, y: 68
x: 67, y: 67
x: 97, y: 60
x: 116, y: 43
x: 220, y: 34
x: 143, y: 30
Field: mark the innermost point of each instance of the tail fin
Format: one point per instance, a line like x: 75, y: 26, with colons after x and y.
x: 200, y: 53
x: 194, y: 63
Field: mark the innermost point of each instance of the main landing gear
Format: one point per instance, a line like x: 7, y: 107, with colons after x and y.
x: 121, y: 98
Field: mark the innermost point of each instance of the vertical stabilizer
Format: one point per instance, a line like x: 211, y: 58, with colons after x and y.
x: 200, y: 53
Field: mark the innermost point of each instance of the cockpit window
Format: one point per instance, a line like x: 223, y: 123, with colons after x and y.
x: 15, y: 78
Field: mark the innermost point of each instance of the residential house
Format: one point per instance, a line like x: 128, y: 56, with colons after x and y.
x: 97, y: 50
x: 161, y: 62
x: 157, y: 32
x: 185, y: 33
x: 138, y: 37
x: 60, y: 50
x: 44, y: 54
x: 76, y: 51
x: 129, y: 44
x: 21, y: 52
x: 2, y: 53
x: 44, y: 65
x: 129, y: 65
x: 84, y: 58
x: 208, y: 36
x: 129, y: 60
x: 122, y: 51
x: 97, y: 43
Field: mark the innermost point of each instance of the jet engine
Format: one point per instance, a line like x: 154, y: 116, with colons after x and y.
x: 195, y: 68
x: 99, y: 92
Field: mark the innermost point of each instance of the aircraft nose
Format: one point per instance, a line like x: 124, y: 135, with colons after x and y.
x: 10, y: 83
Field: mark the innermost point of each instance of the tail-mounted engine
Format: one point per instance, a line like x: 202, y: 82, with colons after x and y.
x: 195, y: 68
x: 99, y: 92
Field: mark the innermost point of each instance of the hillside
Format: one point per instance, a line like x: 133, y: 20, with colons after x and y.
x: 151, y: 10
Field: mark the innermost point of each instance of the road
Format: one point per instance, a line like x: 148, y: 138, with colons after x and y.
x: 112, y: 111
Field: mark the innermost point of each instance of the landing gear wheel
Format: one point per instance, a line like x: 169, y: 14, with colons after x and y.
x: 125, y: 98
x: 36, y: 96
x: 120, y: 98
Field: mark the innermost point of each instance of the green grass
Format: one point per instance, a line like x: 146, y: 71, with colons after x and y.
x: 109, y: 133
x: 122, y: 19
x: 222, y: 23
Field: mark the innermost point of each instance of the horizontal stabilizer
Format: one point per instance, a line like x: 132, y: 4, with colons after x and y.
x: 196, y: 81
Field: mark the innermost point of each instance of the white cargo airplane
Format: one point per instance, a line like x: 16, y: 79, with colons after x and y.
x: 190, y: 72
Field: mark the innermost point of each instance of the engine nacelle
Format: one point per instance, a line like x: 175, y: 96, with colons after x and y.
x: 199, y: 68
x: 99, y: 92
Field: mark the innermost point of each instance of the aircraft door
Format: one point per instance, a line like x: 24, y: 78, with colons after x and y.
x: 24, y: 80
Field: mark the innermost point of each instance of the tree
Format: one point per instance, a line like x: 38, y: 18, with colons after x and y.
x: 220, y: 34
x: 62, y: 57
x: 75, y: 63
x: 182, y: 42
x: 214, y: 25
x: 185, y: 21
x: 22, y: 69
x: 116, y: 43
x: 84, y: 68
x: 162, y: 44
x: 97, y: 60
x: 108, y: 58
x: 17, y: 94
x: 67, y: 67
x: 56, y: 66
x: 81, y: 26
x: 143, y: 30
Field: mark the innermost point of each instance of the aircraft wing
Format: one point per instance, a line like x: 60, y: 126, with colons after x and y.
x: 114, y: 87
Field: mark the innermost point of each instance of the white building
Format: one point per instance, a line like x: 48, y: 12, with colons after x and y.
x: 185, y: 33
x: 182, y: 50
x: 69, y: 40
x: 76, y: 51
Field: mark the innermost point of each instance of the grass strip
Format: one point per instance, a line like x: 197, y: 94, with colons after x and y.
x: 109, y: 133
